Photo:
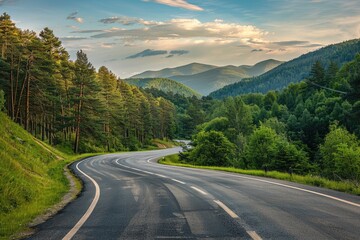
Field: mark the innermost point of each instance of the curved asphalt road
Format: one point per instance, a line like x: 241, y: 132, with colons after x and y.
x: 130, y: 196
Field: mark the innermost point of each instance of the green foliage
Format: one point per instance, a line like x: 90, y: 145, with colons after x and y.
x: 312, y: 180
x: 340, y: 155
x: 164, y: 84
x: 2, y: 100
x: 212, y: 149
x: 31, y: 177
x: 261, y: 148
x: 68, y: 103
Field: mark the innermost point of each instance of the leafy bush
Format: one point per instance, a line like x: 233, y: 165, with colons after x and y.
x: 340, y: 155
x: 211, y: 149
x: 266, y: 148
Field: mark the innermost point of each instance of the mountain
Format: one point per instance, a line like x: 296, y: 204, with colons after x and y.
x: 189, y: 69
x: 292, y: 71
x: 163, y: 84
x: 211, y: 80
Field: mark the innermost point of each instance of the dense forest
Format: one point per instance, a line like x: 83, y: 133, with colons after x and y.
x: 312, y: 127
x: 70, y: 104
x: 163, y: 84
x: 293, y: 71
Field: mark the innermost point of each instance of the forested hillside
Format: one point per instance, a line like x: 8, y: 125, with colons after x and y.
x: 163, y: 84
x: 69, y: 103
x: 293, y: 71
x: 312, y: 127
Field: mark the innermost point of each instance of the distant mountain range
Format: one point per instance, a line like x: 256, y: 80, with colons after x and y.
x: 163, y: 84
x: 207, y: 78
x: 189, y: 69
x: 292, y: 71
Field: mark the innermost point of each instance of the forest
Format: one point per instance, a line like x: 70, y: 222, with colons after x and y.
x: 310, y: 127
x: 70, y: 104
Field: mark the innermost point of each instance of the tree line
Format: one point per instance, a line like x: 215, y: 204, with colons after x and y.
x: 312, y: 127
x: 70, y: 103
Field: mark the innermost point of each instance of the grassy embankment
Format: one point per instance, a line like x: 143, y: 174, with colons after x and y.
x: 343, y: 186
x: 31, y: 177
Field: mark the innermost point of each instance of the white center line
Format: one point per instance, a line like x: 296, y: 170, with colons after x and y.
x: 175, y: 180
x: 199, y: 190
x: 226, y: 209
x: 83, y: 219
x: 254, y: 235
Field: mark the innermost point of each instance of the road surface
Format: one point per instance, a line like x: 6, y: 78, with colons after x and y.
x: 130, y: 196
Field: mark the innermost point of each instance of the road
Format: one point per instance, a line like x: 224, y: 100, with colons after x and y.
x: 130, y: 196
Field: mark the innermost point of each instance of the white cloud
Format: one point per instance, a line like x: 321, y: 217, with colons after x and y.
x: 178, y: 3
x: 73, y: 16
x: 184, y: 28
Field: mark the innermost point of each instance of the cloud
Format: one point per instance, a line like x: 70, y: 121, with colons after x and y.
x: 73, y: 16
x: 3, y: 2
x: 147, y: 53
x: 182, y: 28
x: 88, y: 31
x: 71, y: 38
x: 178, y: 3
x: 127, y: 21
x: 303, y: 44
x: 178, y: 52
x: 108, y: 45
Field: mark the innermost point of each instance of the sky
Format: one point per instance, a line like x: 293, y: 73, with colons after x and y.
x: 132, y: 36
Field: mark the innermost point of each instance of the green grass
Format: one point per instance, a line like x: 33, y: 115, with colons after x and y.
x: 31, y: 177
x: 160, y: 143
x: 343, y: 186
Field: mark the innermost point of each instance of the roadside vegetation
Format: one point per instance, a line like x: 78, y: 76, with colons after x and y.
x: 309, y: 130
x: 312, y: 180
x: 32, y: 177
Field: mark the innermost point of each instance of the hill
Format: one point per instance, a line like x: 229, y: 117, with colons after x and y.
x: 163, y: 84
x: 292, y: 71
x: 31, y: 180
x: 189, y: 69
x: 211, y: 80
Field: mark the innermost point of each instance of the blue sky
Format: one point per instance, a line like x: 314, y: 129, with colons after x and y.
x: 131, y: 36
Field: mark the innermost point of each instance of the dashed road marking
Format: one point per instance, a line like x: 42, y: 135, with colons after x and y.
x: 226, y: 209
x: 254, y: 235
x: 199, y: 190
x: 175, y: 180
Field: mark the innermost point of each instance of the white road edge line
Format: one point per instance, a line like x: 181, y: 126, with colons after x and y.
x: 283, y: 185
x: 199, y: 190
x: 303, y: 190
x: 175, y: 180
x: 91, y: 208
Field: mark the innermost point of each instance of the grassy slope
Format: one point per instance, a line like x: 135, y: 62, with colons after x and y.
x: 309, y: 180
x: 31, y: 177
